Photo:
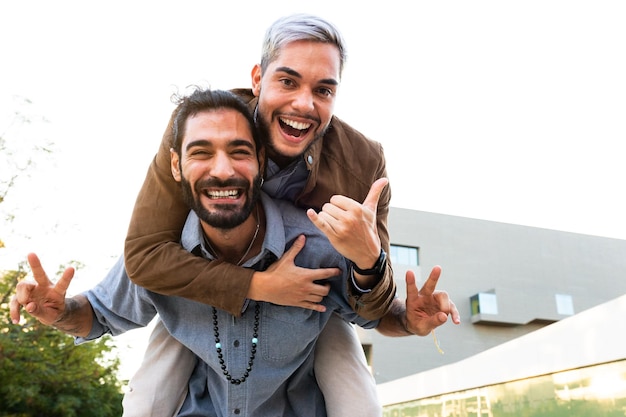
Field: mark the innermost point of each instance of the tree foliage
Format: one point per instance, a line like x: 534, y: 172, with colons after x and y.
x: 42, y: 371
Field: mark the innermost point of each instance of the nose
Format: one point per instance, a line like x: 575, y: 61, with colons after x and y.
x: 222, y: 166
x: 303, y: 101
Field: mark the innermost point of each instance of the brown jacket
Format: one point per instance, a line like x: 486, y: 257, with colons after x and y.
x: 343, y: 162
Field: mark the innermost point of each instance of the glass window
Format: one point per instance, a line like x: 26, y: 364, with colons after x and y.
x: 596, y: 390
x: 404, y: 255
x: 484, y: 303
x: 564, y: 304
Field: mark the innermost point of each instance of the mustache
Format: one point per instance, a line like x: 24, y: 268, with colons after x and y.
x: 217, y: 183
x: 301, y: 116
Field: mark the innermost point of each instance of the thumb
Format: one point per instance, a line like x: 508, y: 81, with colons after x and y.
x: 295, y: 248
x: 371, y: 201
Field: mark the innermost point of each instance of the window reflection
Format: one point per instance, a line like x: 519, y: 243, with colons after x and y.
x: 598, y: 390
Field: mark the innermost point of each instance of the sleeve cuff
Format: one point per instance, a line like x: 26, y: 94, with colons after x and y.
x: 355, y: 286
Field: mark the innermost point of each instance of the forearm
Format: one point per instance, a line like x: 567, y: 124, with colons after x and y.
x: 77, y: 318
x: 376, y: 303
x: 394, y: 323
x: 171, y: 270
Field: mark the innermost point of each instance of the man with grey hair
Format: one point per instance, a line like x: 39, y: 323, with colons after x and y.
x: 315, y: 160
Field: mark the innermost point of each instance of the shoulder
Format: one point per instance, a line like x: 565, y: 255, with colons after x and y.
x: 245, y: 94
x: 349, y: 150
x: 341, y: 136
x: 348, y: 164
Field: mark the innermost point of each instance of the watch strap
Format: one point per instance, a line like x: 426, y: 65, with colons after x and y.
x: 377, y: 269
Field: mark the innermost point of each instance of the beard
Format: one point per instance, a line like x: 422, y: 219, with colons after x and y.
x: 225, y: 216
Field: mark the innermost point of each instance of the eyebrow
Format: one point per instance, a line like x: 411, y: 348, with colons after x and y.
x: 294, y: 73
x: 233, y: 143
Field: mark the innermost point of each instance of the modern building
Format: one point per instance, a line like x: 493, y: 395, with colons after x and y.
x: 575, y: 367
x: 506, y: 281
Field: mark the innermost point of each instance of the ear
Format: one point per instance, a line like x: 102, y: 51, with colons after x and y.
x: 256, y: 80
x: 175, y: 164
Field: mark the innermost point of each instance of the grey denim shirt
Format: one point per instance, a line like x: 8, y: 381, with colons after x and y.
x: 281, y: 381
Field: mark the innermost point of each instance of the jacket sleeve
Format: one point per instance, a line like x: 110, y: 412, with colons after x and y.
x: 375, y: 304
x: 349, y: 163
x: 154, y: 258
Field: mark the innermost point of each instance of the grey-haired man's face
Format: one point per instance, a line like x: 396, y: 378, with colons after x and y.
x: 297, y: 94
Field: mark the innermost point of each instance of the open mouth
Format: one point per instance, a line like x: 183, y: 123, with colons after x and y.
x: 231, y: 194
x: 294, y: 128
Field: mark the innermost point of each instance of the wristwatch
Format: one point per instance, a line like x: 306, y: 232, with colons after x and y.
x: 377, y: 269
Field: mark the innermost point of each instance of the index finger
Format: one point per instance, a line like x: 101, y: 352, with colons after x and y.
x: 38, y: 272
x: 371, y: 200
x: 431, y: 283
x: 42, y: 278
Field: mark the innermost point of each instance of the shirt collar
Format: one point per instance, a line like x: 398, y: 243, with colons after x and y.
x: 192, y: 238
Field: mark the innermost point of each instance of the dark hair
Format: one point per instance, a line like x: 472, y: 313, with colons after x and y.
x: 207, y: 100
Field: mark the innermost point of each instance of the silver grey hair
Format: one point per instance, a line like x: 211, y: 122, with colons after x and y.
x: 300, y: 27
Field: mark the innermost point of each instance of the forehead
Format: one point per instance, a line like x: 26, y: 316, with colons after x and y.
x: 316, y: 59
x: 218, y: 126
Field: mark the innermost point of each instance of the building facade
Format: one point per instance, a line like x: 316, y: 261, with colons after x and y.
x: 506, y: 281
x: 575, y: 367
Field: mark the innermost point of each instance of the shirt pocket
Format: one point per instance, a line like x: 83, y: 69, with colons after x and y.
x: 287, y: 331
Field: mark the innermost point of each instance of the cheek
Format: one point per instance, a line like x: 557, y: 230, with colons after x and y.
x: 270, y: 102
x: 252, y: 172
x: 190, y: 172
x: 326, y: 111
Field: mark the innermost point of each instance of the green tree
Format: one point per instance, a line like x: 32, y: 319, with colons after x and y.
x: 42, y: 371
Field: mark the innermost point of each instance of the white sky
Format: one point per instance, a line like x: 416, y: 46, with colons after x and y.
x: 510, y: 111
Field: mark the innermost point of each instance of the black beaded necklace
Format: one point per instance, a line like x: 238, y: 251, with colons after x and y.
x: 255, y: 334
x: 218, y: 347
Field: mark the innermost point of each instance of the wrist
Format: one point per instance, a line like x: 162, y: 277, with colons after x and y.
x: 377, y: 269
x: 255, y: 290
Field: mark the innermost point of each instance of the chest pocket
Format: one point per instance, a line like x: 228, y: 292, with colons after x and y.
x: 287, y: 331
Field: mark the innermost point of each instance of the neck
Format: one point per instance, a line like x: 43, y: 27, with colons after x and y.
x: 280, y: 160
x: 240, y: 243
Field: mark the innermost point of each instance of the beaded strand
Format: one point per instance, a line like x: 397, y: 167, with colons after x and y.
x: 218, y: 347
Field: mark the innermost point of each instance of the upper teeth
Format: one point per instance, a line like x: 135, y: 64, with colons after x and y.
x: 222, y: 194
x: 295, y: 125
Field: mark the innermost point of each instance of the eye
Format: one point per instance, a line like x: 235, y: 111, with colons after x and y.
x: 242, y: 152
x: 325, y: 92
x: 287, y: 82
x: 199, y: 153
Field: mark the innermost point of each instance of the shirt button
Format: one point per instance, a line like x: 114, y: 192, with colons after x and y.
x: 237, y: 411
x: 309, y: 159
x: 236, y: 343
